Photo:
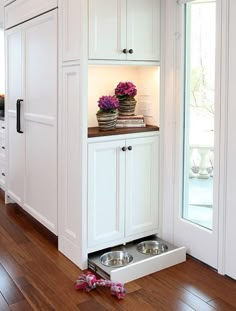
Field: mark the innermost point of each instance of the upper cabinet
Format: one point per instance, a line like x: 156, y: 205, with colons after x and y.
x: 124, y: 30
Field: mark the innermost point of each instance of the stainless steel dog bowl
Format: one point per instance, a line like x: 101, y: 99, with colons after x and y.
x: 152, y: 247
x: 116, y: 259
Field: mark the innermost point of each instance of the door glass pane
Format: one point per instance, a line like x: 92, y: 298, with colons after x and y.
x: 199, y: 112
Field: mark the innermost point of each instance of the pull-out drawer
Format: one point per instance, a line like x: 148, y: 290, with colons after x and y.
x: 2, y: 127
x: 20, y: 11
x: 141, y: 265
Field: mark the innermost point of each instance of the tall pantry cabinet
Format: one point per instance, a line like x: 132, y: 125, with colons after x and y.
x: 102, y: 33
x: 31, y: 114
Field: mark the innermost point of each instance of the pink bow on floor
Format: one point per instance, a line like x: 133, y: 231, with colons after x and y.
x: 89, y: 281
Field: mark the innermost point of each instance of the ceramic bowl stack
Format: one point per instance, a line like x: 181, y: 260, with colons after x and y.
x: 127, y: 107
x: 106, y: 120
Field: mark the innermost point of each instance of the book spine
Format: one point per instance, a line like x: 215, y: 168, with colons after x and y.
x: 138, y: 117
x: 130, y: 125
x: 130, y: 121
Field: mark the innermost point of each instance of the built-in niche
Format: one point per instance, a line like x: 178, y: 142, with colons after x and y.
x: 102, y: 80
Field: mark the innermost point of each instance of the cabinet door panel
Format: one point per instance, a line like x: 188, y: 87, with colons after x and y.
x: 70, y: 222
x: 141, y: 185
x: 106, y: 171
x: 40, y: 114
x: 143, y: 29
x: 107, y: 29
x: 15, y: 144
x: 71, y: 20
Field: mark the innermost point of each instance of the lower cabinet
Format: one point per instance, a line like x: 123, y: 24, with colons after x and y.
x: 122, y: 190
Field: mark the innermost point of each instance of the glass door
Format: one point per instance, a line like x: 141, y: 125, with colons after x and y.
x: 196, y: 226
x: 199, y: 111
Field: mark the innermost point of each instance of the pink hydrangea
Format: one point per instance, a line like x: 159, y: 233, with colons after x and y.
x: 108, y: 103
x: 125, y: 90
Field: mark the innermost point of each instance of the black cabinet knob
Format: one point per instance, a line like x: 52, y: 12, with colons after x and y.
x: 125, y: 51
x: 131, y: 51
x: 3, y: 174
x: 123, y: 148
x: 130, y: 148
x: 3, y: 127
x: 3, y: 147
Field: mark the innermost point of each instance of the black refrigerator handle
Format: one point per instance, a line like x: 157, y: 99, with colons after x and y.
x: 18, y: 106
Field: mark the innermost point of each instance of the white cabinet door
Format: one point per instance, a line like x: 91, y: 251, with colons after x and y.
x: 141, y: 185
x: 107, y: 29
x: 15, y: 143
x: 71, y: 19
x: 143, y: 30
x: 106, y: 172
x: 40, y: 114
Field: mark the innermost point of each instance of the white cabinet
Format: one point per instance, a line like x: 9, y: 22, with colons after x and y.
x: 32, y: 148
x: 71, y: 20
x: 124, y: 30
x: 122, y: 190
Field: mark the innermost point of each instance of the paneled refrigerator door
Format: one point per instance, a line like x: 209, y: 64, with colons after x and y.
x: 40, y: 113
x: 14, y: 92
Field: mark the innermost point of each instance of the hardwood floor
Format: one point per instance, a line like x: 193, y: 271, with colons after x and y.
x: 35, y: 276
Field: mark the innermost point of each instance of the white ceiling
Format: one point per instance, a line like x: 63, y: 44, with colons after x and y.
x: 1, y: 13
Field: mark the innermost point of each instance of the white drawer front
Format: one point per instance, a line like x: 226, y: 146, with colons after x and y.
x: 2, y: 146
x: 23, y: 10
x: 147, y: 266
x: 2, y: 174
x: 2, y: 126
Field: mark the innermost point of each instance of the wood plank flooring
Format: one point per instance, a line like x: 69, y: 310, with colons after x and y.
x: 35, y: 276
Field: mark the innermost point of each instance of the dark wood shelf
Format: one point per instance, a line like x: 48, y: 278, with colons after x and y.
x: 95, y: 132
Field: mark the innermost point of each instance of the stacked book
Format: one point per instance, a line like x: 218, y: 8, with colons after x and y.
x: 130, y: 121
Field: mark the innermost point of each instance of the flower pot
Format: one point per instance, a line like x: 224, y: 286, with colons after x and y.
x: 127, y: 107
x: 107, y: 120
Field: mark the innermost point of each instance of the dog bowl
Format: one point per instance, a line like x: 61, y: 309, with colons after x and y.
x: 152, y: 247
x: 116, y: 259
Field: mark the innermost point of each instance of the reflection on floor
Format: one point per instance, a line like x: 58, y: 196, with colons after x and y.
x: 200, y: 205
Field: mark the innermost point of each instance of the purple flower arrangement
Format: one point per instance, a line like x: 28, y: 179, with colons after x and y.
x: 108, y: 104
x: 125, y: 91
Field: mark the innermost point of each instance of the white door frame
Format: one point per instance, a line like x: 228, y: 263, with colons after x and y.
x: 171, y: 153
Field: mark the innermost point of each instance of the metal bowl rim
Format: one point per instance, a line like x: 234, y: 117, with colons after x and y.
x: 129, y: 257
x: 159, y: 244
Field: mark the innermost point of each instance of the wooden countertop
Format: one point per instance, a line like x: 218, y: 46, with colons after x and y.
x: 95, y: 132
